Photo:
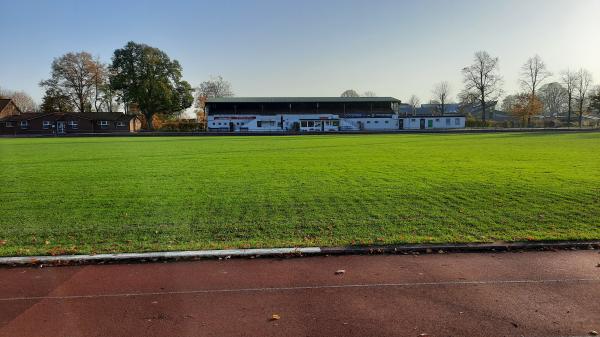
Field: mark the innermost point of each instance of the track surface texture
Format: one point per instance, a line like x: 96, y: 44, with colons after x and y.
x: 504, y: 294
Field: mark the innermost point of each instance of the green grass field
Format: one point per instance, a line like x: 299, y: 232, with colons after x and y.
x: 92, y: 195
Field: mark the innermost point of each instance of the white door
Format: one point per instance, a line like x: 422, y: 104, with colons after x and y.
x: 60, y: 127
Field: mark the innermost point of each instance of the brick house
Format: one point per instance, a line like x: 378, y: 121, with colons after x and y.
x: 60, y: 123
x: 8, y: 108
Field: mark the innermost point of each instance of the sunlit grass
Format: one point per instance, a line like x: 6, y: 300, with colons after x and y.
x: 81, y: 195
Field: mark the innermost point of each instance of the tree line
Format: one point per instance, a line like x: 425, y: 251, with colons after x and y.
x: 139, y: 79
x: 571, y: 92
x: 143, y: 79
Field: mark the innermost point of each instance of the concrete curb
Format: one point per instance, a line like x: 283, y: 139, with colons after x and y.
x: 291, y: 252
x: 154, y: 256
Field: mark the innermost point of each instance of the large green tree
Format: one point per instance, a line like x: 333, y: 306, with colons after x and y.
x: 56, y: 101
x: 148, y: 78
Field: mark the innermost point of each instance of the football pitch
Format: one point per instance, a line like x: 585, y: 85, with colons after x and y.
x: 125, y: 194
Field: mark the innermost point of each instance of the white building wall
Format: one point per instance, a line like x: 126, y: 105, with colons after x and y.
x: 435, y: 122
x: 267, y: 123
x: 328, y: 122
x: 369, y: 123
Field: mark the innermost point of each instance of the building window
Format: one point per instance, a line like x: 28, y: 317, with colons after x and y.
x: 24, y: 124
x: 447, y: 121
x: 46, y: 125
x: 368, y: 122
x: 103, y: 124
x: 74, y: 125
x: 120, y: 124
x: 456, y: 121
x: 335, y: 123
x: 437, y: 119
x: 259, y: 124
x: 9, y: 125
x: 387, y: 122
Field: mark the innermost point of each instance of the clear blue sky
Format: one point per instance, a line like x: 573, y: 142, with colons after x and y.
x: 306, y: 48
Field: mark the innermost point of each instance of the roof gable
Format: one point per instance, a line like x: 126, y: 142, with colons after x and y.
x: 4, y: 102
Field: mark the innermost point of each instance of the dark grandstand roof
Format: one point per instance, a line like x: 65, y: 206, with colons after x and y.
x: 301, y: 99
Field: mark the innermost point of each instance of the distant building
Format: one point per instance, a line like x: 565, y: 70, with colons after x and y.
x: 434, y: 109
x: 60, y: 123
x: 316, y: 114
x: 475, y: 111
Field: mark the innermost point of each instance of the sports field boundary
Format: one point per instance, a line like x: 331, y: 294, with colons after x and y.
x: 306, y: 133
x: 146, y: 257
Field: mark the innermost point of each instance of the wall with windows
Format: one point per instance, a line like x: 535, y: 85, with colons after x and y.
x: 62, y: 123
x: 379, y: 123
x: 266, y: 123
x: 328, y: 122
x: 433, y: 122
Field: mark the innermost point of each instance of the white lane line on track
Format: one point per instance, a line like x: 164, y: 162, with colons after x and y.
x: 340, y: 286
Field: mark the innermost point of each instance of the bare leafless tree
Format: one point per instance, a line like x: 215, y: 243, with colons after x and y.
x: 100, y: 80
x: 441, y: 91
x: 582, y: 85
x: 215, y: 87
x: 569, y: 80
x: 21, y: 99
x: 369, y: 93
x: 533, y: 73
x: 483, y: 80
x: 414, y: 103
x: 105, y: 98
